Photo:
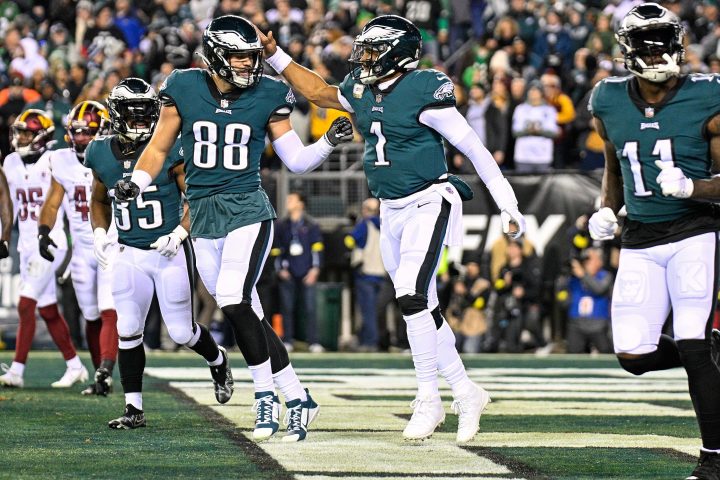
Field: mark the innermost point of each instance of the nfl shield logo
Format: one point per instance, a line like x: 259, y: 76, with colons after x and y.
x: 224, y: 103
x: 378, y: 98
x: 649, y: 112
x: 127, y: 164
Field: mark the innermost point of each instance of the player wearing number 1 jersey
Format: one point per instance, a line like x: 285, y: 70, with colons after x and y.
x: 662, y: 146
x: 71, y: 186
x: 149, y: 258
x: 403, y: 114
x: 28, y: 175
x: 223, y: 115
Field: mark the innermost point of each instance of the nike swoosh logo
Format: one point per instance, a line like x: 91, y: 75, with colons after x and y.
x: 423, y: 204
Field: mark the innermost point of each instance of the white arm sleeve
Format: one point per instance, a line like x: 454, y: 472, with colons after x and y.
x: 299, y: 158
x: 450, y: 123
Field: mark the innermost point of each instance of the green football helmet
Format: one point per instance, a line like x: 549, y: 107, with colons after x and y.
x: 387, y: 44
x: 228, y: 35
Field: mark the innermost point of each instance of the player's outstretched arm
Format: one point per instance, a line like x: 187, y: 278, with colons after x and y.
x: 308, y: 83
x: 603, y: 223
x: 168, y: 245
x: 450, y: 123
x: 48, y: 216
x: 302, y: 159
x: 151, y: 161
x: 100, y: 216
x: 6, y: 215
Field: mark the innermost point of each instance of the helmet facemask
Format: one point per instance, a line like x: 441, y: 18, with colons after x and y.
x: 85, y: 122
x: 32, y: 134
x: 134, y: 119
x: 652, y: 48
x: 369, y: 61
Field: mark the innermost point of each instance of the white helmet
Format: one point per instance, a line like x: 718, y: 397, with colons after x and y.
x: 651, y: 41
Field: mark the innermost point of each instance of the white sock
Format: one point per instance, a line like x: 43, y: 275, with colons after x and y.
x: 134, y: 399
x: 74, y: 363
x: 450, y: 364
x: 17, y: 368
x: 422, y: 336
x: 287, y: 381
x: 703, y: 449
x: 262, y: 377
x: 217, y: 361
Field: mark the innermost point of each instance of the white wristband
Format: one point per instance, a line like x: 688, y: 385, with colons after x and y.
x: 141, y: 178
x: 181, y: 232
x: 279, y: 60
x: 502, y: 193
x: 99, y: 232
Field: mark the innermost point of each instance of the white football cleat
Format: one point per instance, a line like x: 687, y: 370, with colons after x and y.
x: 71, y: 377
x: 428, y: 414
x: 469, y: 408
x: 10, y: 378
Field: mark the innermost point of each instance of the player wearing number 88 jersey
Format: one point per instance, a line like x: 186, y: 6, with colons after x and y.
x: 223, y: 115
x: 153, y: 256
x: 661, y: 132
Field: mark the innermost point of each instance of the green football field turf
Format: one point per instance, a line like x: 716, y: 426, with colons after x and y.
x: 562, y: 417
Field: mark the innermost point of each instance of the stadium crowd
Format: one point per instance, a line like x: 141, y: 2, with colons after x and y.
x: 523, y: 71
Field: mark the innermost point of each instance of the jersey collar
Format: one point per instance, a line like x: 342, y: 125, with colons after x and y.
x: 231, y: 96
x: 641, y: 104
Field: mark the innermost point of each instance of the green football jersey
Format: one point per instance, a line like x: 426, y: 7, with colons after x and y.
x: 672, y: 131
x: 402, y: 156
x: 223, y: 135
x: 157, y: 211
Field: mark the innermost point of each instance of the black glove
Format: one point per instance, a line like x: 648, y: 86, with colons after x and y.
x: 45, y: 242
x: 341, y: 131
x: 126, y: 190
x: 4, y: 251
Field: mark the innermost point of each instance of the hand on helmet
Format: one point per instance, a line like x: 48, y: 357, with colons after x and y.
x: 268, y: 42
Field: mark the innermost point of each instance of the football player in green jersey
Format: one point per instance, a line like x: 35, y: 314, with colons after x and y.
x: 150, y: 234
x: 662, y: 146
x: 223, y: 115
x: 403, y: 114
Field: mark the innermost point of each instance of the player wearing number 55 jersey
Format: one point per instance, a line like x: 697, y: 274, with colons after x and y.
x: 149, y: 257
x: 403, y: 114
x: 71, y: 186
x: 662, y: 146
x: 28, y: 175
x: 223, y: 116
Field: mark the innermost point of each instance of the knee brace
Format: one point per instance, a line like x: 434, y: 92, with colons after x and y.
x: 131, y: 341
x: 412, y: 304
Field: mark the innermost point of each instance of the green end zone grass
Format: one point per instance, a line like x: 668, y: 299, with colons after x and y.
x: 49, y: 433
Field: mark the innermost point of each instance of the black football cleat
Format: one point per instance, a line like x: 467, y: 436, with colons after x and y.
x: 708, y: 467
x: 715, y: 346
x: 223, y: 379
x: 132, y: 418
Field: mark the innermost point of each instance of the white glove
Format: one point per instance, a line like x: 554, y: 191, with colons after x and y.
x: 673, y: 181
x: 168, y: 245
x: 602, y: 224
x: 512, y: 215
x: 102, y: 247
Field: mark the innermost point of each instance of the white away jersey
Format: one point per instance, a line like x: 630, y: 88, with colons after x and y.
x: 29, y: 184
x: 76, y: 179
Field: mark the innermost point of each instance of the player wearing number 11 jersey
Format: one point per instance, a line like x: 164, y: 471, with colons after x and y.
x: 154, y: 255
x: 223, y: 115
x: 661, y: 133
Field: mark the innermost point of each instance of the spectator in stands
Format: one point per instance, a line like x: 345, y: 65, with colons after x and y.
x: 555, y: 97
x: 285, y: 22
x: 552, y: 47
x: 12, y: 100
x: 56, y: 107
x: 534, y: 127
x: 27, y: 58
x: 602, y: 39
x: 364, y: 241
x: 129, y: 23
x: 590, y: 144
x: 298, y: 250
x: 466, y: 310
x: 103, y: 36
x: 497, y: 119
x: 589, y: 298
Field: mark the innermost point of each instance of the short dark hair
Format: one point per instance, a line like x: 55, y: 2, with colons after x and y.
x: 300, y: 196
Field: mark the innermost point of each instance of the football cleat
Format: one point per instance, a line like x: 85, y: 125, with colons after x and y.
x: 71, y: 377
x: 299, y: 416
x: 102, y: 385
x: 715, y: 346
x: 10, y: 378
x: 132, y: 418
x: 468, y: 408
x: 223, y: 379
x: 708, y: 467
x: 428, y: 414
x: 267, y: 415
